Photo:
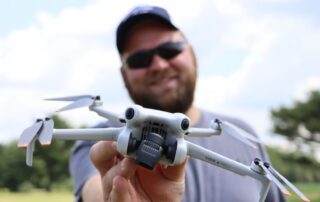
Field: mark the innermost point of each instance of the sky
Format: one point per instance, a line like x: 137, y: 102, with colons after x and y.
x: 253, y: 56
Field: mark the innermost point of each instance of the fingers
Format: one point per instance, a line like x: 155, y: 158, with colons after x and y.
x: 120, y: 189
x: 103, y: 155
x: 117, y: 173
x: 175, y: 173
x: 126, y: 168
x: 119, y: 176
x: 115, y: 170
x: 163, y: 183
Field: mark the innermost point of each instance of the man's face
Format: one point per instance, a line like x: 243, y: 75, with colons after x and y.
x: 165, y: 84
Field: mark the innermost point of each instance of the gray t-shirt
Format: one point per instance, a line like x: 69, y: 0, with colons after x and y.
x: 204, y: 182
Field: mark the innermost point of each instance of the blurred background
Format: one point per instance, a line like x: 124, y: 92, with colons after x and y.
x: 258, y: 60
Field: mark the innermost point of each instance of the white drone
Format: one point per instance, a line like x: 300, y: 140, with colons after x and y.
x: 151, y: 136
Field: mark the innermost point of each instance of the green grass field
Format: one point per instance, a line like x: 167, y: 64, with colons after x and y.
x: 311, y: 190
x: 36, y: 196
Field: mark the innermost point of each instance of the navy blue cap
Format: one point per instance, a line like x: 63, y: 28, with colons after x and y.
x: 139, y: 14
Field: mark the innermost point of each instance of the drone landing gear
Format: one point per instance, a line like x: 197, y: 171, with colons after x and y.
x: 150, y: 150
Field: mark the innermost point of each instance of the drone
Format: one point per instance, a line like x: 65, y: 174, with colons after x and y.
x: 152, y: 136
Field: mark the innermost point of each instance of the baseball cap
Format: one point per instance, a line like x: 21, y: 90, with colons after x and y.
x: 138, y: 14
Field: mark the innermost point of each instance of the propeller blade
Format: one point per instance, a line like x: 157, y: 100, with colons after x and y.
x: 29, y: 153
x: 29, y: 134
x: 282, y: 188
x: 231, y: 131
x: 45, y: 136
x: 84, y: 102
x: 294, y: 188
x: 109, y: 114
x: 244, y: 133
x: 71, y: 98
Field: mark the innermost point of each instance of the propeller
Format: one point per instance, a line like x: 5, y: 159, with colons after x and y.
x: 30, y: 133
x: 275, y: 173
x: 46, y: 132
x: 78, y: 101
x: 42, y: 130
x: 273, y: 178
x: 71, y: 98
x: 234, y: 131
x: 88, y: 101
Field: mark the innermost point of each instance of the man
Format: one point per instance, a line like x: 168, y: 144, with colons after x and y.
x: 159, y: 70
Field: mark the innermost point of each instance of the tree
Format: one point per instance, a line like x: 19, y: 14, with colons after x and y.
x: 50, y: 164
x: 55, y: 158
x: 12, y: 167
x: 300, y: 123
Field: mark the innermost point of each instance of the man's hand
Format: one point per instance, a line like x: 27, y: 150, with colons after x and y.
x: 124, y: 180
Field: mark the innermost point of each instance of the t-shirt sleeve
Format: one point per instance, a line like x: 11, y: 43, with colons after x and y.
x: 80, y: 166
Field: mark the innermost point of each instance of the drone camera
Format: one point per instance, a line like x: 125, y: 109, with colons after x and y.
x: 180, y: 123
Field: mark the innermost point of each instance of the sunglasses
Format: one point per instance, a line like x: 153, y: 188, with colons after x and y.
x: 143, y: 58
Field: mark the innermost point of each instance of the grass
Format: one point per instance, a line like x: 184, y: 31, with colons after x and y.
x: 311, y: 190
x: 36, y: 196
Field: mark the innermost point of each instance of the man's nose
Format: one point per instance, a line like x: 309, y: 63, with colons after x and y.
x: 158, y: 63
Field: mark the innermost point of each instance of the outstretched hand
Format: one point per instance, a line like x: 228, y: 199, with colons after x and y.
x: 124, y: 180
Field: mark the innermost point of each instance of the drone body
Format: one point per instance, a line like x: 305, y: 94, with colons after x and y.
x: 151, y: 136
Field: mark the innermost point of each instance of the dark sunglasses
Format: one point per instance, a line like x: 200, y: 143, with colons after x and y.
x: 143, y: 58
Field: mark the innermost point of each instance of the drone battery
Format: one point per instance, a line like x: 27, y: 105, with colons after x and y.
x: 150, y: 150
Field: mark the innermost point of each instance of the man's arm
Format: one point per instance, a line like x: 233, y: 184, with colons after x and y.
x: 82, y: 171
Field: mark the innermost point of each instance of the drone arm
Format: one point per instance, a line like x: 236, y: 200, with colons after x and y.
x: 107, y: 114
x: 202, y: 132
x: 213, y: 158
x: 95, y: 134
x: 206, y: 155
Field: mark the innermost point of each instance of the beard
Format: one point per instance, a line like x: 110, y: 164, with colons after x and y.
x: 180, y: 100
